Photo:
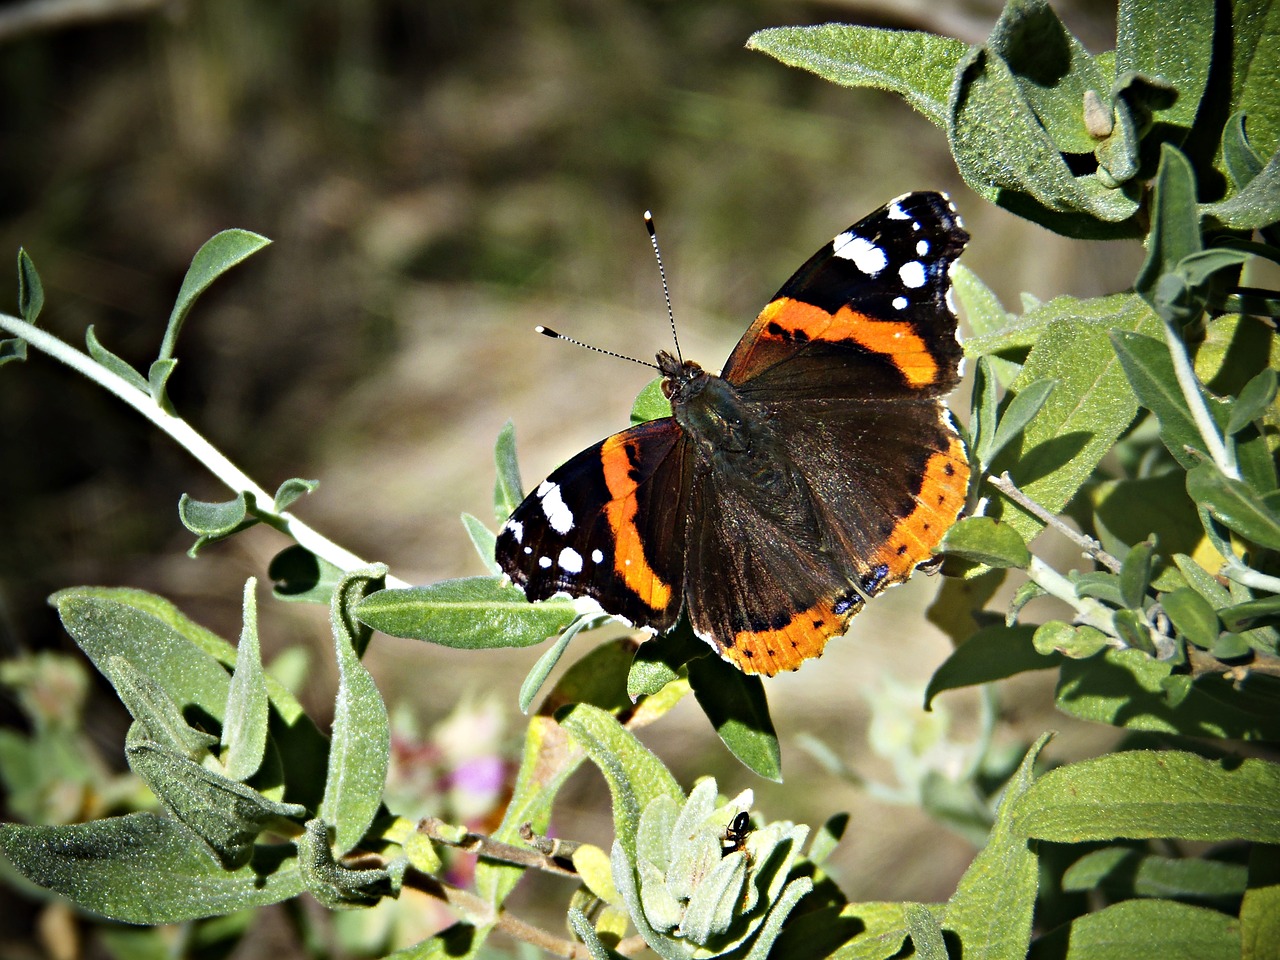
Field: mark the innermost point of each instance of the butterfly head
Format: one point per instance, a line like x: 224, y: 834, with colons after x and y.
x: 680, y: 378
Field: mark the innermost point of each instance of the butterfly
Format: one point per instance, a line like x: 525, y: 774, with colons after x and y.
x: 818, y: 469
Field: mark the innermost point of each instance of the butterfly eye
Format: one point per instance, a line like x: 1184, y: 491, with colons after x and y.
x: 668, y: 388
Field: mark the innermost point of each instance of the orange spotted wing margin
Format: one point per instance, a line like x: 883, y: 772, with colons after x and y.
x: 609, y: 524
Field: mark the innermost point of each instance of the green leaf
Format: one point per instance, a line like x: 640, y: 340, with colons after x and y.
x: 925, y: 932
x: 1235, y: 505
x: 299, y: 575
x: 219, y: 254
x: 1254, y: 206
x: 1146, y: 930
x: 991, y: 909
x: 30, y: 289
x: 110, y: 361
x: 475, y: 613
x: 1173, y: 42
x: 1052, y: 68
x: 106, y: 628
x: 916, y: 65
x: 225, y: 815
x: 659, y: 660
x: 991, y: 653
x: 1123, y: 872
x: 507, y: 488
x: 98, y: 865
x: 983, y: 412
x: 12, y: 349
x: 1126, y: 688
x: 361, y: 741
x: 635, y: 775
x: 1005, y: 154
x: 214, y: 521
x: 1087, y: 411
x: 1239, y: 160
x: 1253, y: 402
x: 158, y: 375
x: 332, y: 884
x: 1067, y: 640
x: 736, y: 705
x: 1175, y: 228
x: 1244, y: 616
x: 651, y: 403
x: 983, y: 540
x: 1135, y: 574
x: 244, y: 731
x: 546, y: 663
x: 155, y: 711
x: 291, y: 491
x: 1144, y: 794
x: 1192, y: 616
x: 1150, y: 371
x: 1021, y: 410
x: 1260, y: 909
x: 484, y: 540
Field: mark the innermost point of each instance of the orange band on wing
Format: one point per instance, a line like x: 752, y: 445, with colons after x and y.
x: 896, y: 340
x: 785, y: 648
x: 941, y: 497
x: 628, y: 550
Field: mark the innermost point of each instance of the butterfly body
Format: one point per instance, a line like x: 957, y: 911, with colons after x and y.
x: 819, y: 468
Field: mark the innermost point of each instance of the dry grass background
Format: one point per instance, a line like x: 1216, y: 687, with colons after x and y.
x: 438, y: 178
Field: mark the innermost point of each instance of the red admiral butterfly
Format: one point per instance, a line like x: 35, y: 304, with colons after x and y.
x: 818, y: 469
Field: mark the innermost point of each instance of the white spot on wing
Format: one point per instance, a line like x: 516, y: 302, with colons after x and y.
x: 570, y: 560
x: 558, y: 514
x: 896, y: 212
x: 922, y: 247
x: 596, y: 556
x: 899, y: 303
x: 866, y: 256
x: 516, y: 529
x: 544, y: 562
x: 912, y: 274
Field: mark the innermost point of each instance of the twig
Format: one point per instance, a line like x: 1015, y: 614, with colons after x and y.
x: 1223, y: 456
x: 491, y: 849
x: 213, y: 459
x: 1004, y: 483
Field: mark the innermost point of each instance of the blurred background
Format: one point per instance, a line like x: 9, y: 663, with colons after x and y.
x: 437, y: 178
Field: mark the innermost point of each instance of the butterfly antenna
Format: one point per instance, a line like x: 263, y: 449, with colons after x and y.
x: 666, y: 292
x: 556, y: 335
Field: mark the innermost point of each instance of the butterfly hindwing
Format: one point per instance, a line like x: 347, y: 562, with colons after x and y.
x: 608, y: 524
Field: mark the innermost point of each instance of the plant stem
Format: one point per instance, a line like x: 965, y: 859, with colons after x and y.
x: 194, y: 443
x: 1222, y: 455
x: 1004, y: 483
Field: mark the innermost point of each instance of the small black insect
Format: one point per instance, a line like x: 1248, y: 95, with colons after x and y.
x: 735, y: 836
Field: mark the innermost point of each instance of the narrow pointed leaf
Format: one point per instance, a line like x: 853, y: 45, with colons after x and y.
x: 635, y: 775
x: 113, y: 363
x: 225, y: 815
x: 1021, y: 411
x: 290, y: 491
x: 158, y: 375
x: 985, y: 541
x: 1253, y: 402
x: 1175, y: 223
x: 336, y: 886
x: 992, y: 653
x: 483, y: 539
x: 1255, y: 206
x: 219, y: 254
x: 244, y: 730
x: 154, y: 710
x: 475, y: 613
x: 736, y: 705
x: 1235, y: 505
x: 507, y: 489
x: 361, y: 740
x: 30, y: 289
